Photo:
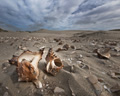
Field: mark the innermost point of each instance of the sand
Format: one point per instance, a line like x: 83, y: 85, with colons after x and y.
x: 83, y: 74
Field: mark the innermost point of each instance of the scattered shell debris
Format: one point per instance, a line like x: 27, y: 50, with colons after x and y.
x: 76, y: 55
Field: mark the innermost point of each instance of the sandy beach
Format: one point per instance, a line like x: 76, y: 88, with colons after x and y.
x: 83, y: 74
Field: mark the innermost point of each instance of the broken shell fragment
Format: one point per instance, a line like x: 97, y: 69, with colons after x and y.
x: 13, y: 61
x: 103, y: 53
x: 60, y: 43
x: 38, y: 84
x: 60, y: 49
x: 27, y: 65
x: 54, y: 63
x: 57, y: 40
x: 66, y: 46
x: 73, y: 47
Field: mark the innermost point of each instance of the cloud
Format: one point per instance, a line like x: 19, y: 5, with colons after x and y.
x: 60, y: 14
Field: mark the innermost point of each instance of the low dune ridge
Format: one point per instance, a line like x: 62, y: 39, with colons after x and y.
x: 83, y: 74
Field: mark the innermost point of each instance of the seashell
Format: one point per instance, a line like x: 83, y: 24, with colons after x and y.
x: 54, y: 63
x: 103, y: 53
x: 66, y: 46
x: 57, y: 40
x: 60, y: 49
x: 27, y: 65
x: 60, y: 43
x: 73, y: 47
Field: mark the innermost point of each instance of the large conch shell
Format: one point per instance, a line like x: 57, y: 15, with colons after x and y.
x: 27, y: 65
x: 54, y: 63
x: 103, y: 53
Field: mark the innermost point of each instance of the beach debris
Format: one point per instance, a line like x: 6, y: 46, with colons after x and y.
x: 76, y: 41
x: 101, y: 80
x: 66, y: 46
x: 11, y: 44
x: 60, y: 49
x: 58, y: 90
x: 13, y: 61
x: 57, y: 40
x: 44, y: 77
x: 84, y: 66
x: 27, y: 65
x: 79, y: 62
x: 115, y: 88
x: 106, y: 88
x: 38, y: 84
x: 93, y: 43
x: 6, y: 87
x: 114, y: 74
x: 72, y: 69
x: 60, y: 43
x: 81, y: 55
x: 117, y: 48
x: 73, y: 52
x: 24, y: 48
x: 54, y: 63
x: 73, y: 47
x: 111, y: 43
x: 19, y: 47
x: 103, y: 53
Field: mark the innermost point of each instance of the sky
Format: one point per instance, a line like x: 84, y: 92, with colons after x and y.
x: 32, y: 15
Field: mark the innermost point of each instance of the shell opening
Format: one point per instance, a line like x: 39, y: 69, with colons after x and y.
x: 58, y: 62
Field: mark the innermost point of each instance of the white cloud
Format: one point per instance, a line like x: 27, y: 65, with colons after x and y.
x: 60, y: 14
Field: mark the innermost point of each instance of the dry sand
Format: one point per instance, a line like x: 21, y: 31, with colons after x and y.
x: 84, y: 74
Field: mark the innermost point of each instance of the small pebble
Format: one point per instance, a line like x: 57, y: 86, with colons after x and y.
x: 58, y: 90
x: 81, y: 55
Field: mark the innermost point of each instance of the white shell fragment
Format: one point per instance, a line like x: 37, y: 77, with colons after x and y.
x: 38, y: 84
